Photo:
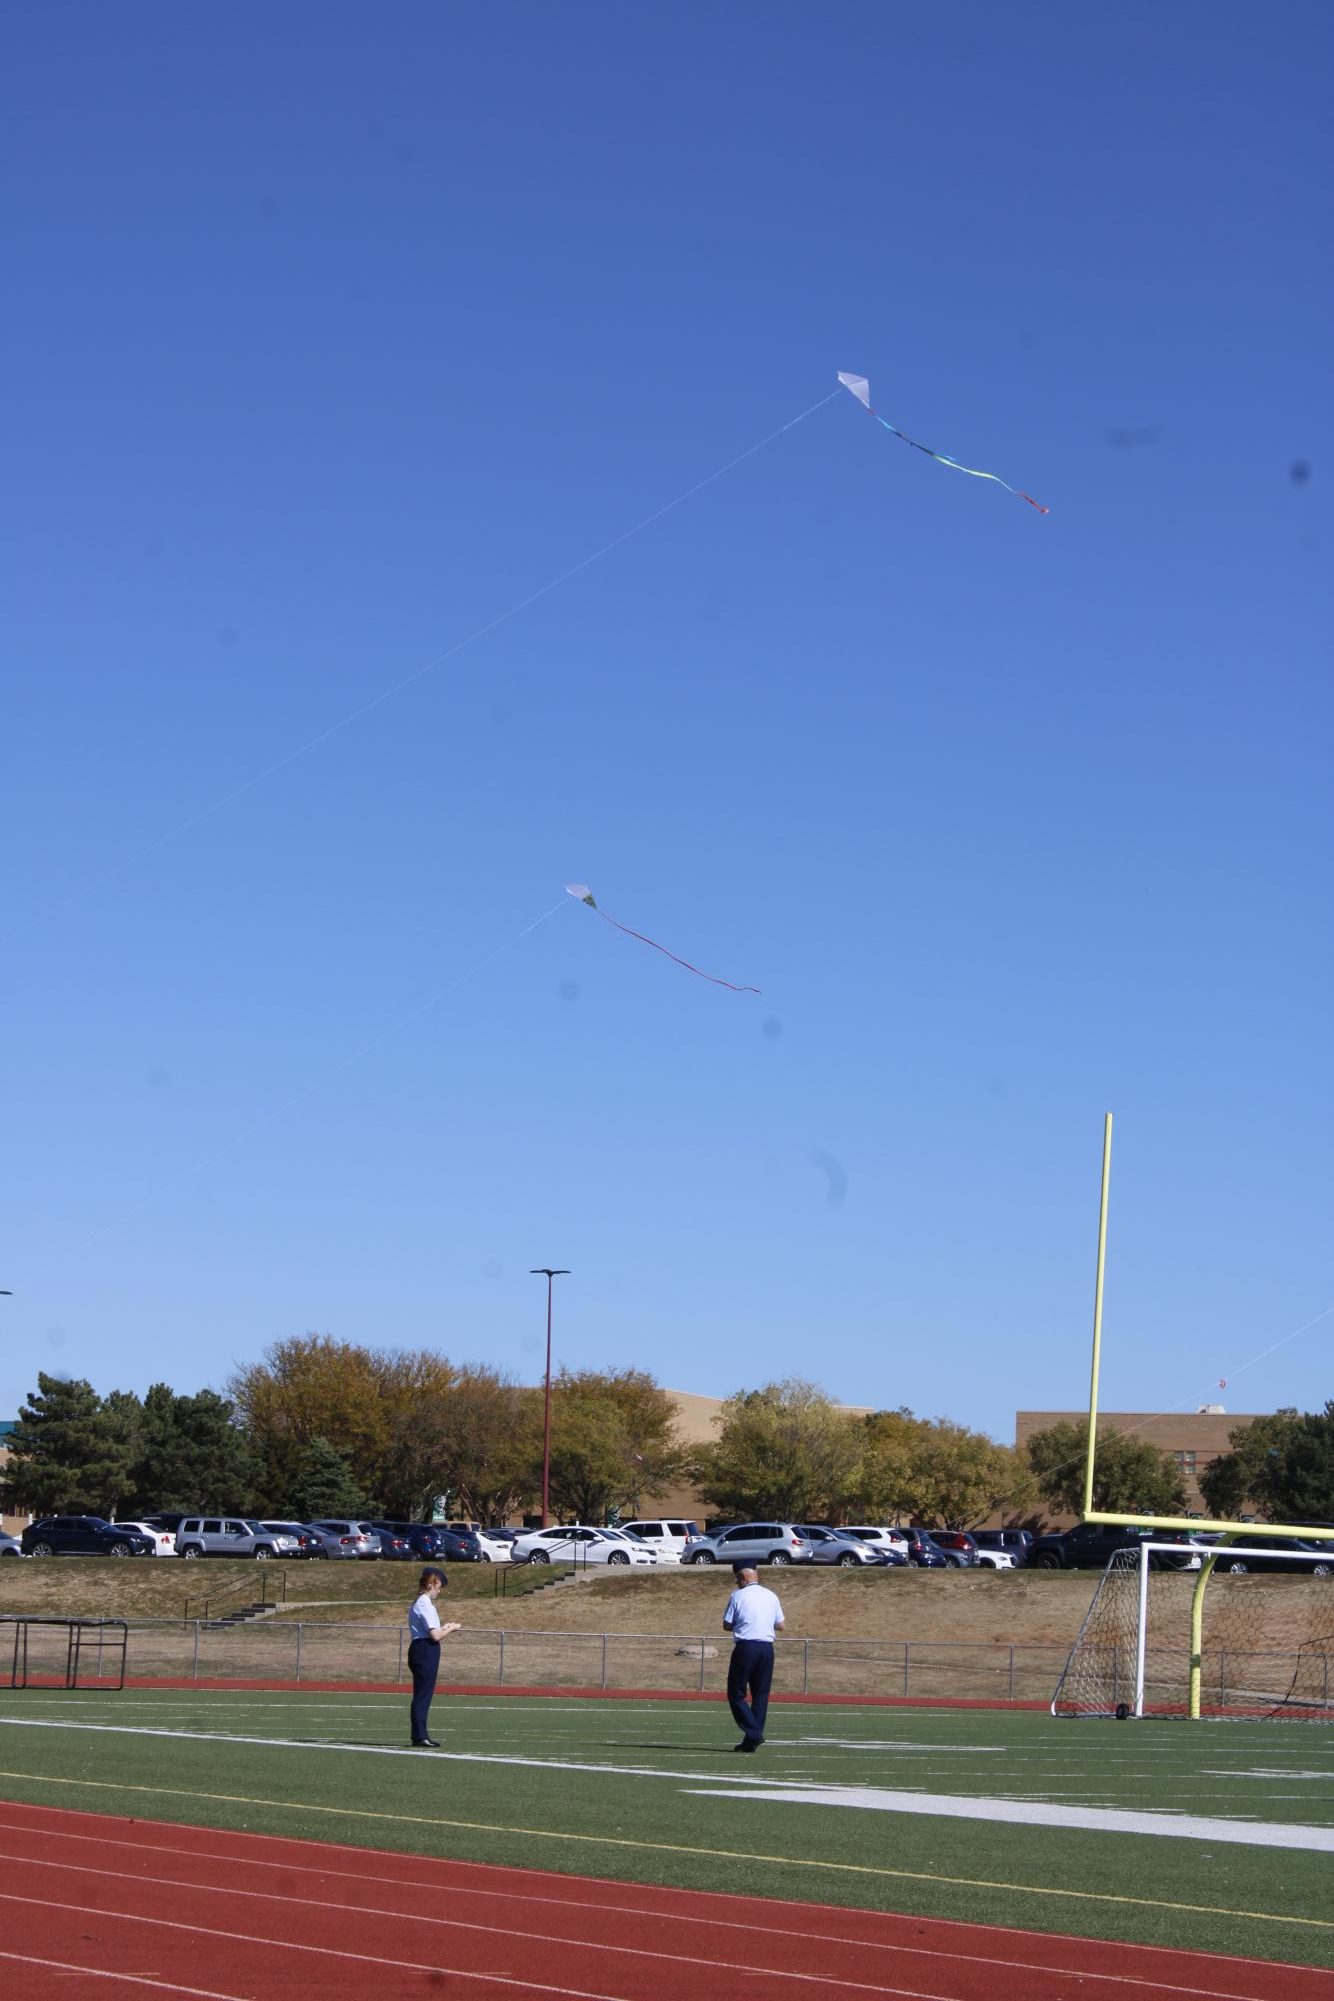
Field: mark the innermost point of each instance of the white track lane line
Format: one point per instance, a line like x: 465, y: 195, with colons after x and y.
x: 136, y: 1979
x: 826, y: 1982
x: 419, y: 1917
x: 323, y: 1951
x: 331, y: 1869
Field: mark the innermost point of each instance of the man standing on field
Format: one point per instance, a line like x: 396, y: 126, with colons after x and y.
x: 752, y: 1617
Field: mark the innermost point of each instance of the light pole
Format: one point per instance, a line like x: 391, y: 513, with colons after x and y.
x: 550, y: 1273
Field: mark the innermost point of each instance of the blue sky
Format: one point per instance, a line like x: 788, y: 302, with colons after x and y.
x: 336, y: 334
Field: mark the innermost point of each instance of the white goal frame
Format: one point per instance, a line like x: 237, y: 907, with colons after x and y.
x: 1206, y: 1558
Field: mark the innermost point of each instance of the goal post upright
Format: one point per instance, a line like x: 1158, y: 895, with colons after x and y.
x: 1097, y: 1316
x: 1191, y: 1524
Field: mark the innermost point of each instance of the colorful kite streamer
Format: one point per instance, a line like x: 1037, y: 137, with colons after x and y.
x: 585, y: 895
x: 859, y: 387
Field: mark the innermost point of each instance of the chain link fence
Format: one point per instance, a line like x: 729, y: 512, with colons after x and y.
x: 298, y: 1651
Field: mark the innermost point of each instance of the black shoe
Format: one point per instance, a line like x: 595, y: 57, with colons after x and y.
x: 425, y: 1744
x: 748, y: 1744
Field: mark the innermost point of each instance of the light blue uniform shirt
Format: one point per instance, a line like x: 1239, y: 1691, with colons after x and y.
x: 423, y: 1619
x: 753, y: 1613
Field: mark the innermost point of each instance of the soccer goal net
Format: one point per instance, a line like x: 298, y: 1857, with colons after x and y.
x: 1167, y: 1641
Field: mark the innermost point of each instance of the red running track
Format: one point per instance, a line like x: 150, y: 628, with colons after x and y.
x: 145, y: 1909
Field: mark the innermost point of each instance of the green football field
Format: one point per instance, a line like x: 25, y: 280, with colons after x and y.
x: 1216, y: 1836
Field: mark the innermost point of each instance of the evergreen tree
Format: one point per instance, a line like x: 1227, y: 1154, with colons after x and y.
x: 192, y: 1454
x: 71, y: 1453
x: 324, y: 1485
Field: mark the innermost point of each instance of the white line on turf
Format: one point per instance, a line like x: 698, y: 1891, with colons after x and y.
x: 1033, y: 1813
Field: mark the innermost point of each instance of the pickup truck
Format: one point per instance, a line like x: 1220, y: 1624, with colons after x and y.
x: 1091, y: 1545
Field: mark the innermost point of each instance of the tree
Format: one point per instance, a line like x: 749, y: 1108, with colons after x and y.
x: 313, y: 1387
x: 191, y: 1454
x: 882, y: 1488
x: 323, y: 1484
x: 1282, y: 1467
x: 613, y: 1439
x: 784, y: 1451
x: 490, y: 1444
x: 935, y: 1471
x: 963, y: 1476
x: 71, y: 1453
x: 1130, y: 1476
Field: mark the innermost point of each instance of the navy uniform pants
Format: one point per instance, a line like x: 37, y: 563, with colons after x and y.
x: 424, y: 1661
x: 749, y: 1674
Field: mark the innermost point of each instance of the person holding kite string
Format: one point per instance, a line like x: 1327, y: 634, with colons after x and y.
x: 752, y: 1616
x: 424, y: 1653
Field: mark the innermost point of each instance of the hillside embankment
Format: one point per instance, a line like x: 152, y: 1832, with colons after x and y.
x: 1014, y: 1607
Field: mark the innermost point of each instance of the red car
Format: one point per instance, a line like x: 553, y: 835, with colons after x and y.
x: 958, y: 1546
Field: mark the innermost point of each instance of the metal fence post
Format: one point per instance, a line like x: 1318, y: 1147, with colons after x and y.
x: 604, y: 1660
x: 702, y: 1644
x: 906, y: 1645
x: 805, y: 1667
x: 1011, y: 1689
x: 500, y: 1679
x: 398, y: 1675
x: 298, y: 1649
x: 194, y: 1664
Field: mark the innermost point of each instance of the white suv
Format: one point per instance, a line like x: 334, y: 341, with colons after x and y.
x: 231, y: 1535
x: 670, y: 1540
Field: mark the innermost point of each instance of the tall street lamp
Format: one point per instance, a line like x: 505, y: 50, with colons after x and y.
x: 550, y: 1273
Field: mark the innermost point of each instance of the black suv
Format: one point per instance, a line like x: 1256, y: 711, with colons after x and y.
x: 1092, y: 1545
x: 84, y: 1535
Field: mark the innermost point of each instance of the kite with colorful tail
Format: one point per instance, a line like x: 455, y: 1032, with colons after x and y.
x: 859, y: 387
x: 585, y: 895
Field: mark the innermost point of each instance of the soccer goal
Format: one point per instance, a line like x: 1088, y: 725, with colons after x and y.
x: 1160, y: 1640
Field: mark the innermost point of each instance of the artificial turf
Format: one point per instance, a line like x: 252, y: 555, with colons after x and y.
x: 652, y: 1792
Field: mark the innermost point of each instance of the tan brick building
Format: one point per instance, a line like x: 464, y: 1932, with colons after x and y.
x: 1194, y: 1439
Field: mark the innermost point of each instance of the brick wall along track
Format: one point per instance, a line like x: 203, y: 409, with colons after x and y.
x: 146, y: 1909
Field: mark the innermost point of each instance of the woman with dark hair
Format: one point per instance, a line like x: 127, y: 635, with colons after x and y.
x: 424, y: 1653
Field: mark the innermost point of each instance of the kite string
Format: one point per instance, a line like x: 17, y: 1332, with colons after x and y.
x: 278, y: 1111
x: 672, y: 955
x: 374, y: 702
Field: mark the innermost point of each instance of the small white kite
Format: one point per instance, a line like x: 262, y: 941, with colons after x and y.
x: 585, y: 895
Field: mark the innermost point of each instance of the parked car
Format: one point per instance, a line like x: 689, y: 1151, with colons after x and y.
x: 840, y: 1547
x: 753, y: 1542
x: 394, y: 1547
x: 879, y: 1538
x: 924, y: 1552
x: 424, y: 1539
x: 958, y: 1546
x: 83, y: 1535
x: 460, y: 1546
x: 231, y: 1535
x: 1308, y: 1559
x: 666, y: 1538
x: 995, y: 1559
x: 159, y: 1520
x: 577, y: 1544
x: 1018, y: 1542
x: 163, y: 1540
x: 11, y: 1546
x: 354, y: 1538
x: 495, y: 1548
x: 307, y: 1543
x: 336, y: 1539
x: 1090, y: 1546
